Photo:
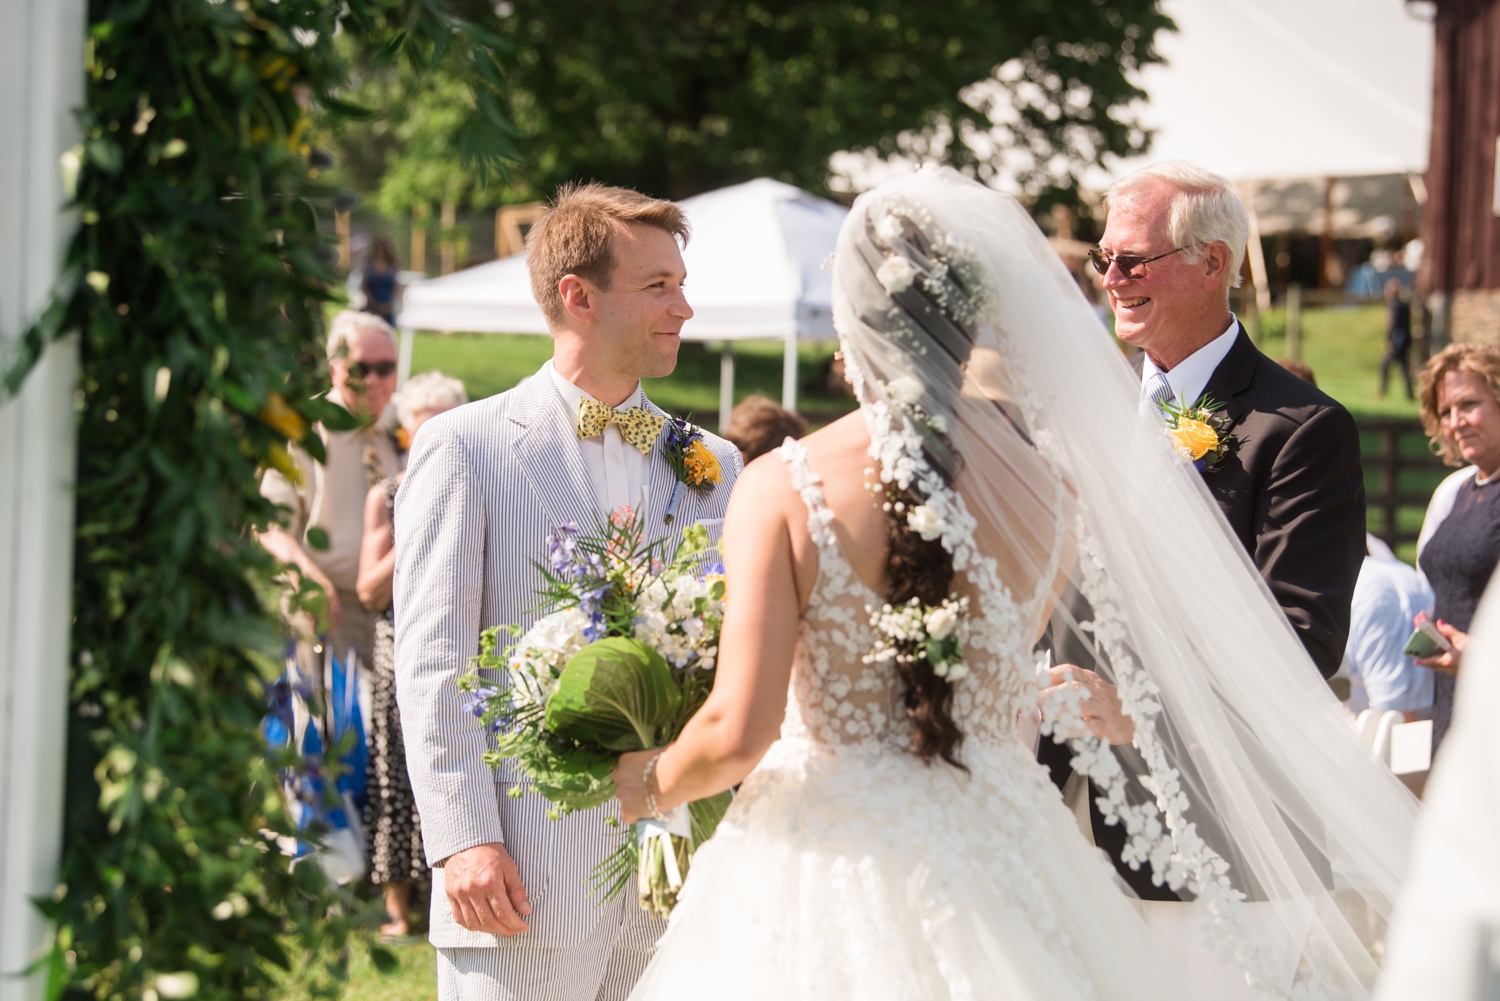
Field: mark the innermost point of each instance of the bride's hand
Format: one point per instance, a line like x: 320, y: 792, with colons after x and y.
x: 1101, y: 710
x: 630, y: 785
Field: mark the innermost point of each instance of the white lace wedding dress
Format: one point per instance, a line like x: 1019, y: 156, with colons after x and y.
x: 847, y: 868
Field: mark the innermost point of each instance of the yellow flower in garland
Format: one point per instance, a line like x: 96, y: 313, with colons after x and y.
x: 1194, y: 439
x: 702, y: 465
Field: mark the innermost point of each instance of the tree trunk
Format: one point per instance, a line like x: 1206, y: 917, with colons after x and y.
x: 419, y: 238
x: 449, y: 223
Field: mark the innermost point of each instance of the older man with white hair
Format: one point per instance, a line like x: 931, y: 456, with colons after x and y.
x: 1291, y: 486
x: 324, y: 525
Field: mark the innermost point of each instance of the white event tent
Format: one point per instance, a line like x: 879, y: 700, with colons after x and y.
x: 1284, y: 89
x: 755, y: 271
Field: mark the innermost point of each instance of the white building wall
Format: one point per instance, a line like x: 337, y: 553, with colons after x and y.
x: 41, y: 82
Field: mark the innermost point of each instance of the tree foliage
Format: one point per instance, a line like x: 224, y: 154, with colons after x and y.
x: 197, y: 281
x: 680, y: 96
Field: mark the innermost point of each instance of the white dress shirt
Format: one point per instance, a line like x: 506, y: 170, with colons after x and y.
x: 1387, y: 596
x: 616, y: 468
x: 1191, y: 374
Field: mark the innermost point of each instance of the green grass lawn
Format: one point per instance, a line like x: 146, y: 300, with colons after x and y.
x: 1344, y: 345
x: 414, y: 980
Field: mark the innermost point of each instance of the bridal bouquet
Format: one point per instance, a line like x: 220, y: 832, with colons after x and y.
x: 621, y: 661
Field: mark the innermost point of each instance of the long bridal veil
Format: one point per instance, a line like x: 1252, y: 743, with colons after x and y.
x: 1445, y: 939
x: 1006, y: 416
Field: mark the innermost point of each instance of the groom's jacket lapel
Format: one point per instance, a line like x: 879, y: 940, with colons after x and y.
x: 545, y: 445
x: 659, y: 481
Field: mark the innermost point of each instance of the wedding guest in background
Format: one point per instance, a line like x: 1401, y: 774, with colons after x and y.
x: 324, y: 523
x: 1387, y: 596
x: 379, y: 281
x: 758, y: 424
x: 1300, y: 369
x: 1290, y: 486
x: 1397, y: 336
x: 1460, y: 540
x: 393, y: 832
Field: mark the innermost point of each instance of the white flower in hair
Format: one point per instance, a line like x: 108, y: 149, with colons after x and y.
x: 896, y: 274
x: 905, y: 390
x: 889, y: 228
x: 941, y: 622
x: 926, y: 522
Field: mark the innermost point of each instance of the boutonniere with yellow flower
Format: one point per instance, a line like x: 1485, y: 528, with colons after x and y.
x: 1198, y: 432
x: 692, y: 461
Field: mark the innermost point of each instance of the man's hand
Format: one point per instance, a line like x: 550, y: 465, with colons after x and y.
x: 484, y: 888
x: 1446, y: 662
x: 281, y: 545
x: 1101, y: 706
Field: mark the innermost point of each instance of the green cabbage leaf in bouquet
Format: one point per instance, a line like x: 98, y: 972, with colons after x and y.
x: 622, y: 659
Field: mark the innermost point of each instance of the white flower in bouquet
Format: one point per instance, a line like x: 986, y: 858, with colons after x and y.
x: 905, y: 390
x: 558, y: 633
x: 540, y: 654
x: 685, y: 592
x: 896, y: 274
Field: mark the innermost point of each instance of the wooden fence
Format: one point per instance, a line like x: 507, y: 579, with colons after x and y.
x: 1400, y: 474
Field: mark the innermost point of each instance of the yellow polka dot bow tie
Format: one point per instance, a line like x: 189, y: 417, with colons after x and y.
x: 639, y: 425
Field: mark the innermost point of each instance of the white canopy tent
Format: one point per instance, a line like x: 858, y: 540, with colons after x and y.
x: 1270, y: 90
x: 1284, y: 89
x: 755, y: 271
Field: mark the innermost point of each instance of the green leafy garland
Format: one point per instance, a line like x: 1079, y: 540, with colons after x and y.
x: 197, y: 281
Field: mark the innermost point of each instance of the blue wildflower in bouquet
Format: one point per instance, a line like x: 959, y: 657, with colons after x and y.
x: 622, y: 659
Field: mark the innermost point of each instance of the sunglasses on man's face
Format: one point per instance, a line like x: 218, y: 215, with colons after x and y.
x: 1130, y: 265
x: 379, y: 369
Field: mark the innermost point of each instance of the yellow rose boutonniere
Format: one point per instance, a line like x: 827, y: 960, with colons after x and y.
x: 1197, y: 433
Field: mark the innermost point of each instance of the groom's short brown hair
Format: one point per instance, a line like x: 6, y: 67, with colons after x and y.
x: 573, y: 238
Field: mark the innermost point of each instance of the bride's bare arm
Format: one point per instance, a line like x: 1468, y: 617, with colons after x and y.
x: 742, y: 717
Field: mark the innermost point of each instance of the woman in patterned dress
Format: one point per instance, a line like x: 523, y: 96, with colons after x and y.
x: 393, y: 831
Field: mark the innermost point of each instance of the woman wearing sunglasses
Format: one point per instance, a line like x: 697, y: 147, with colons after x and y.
x: 324, y: 527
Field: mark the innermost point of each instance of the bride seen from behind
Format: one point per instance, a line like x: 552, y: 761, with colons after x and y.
x: 894, y: 836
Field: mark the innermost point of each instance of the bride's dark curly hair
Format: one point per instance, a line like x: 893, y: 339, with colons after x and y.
x: 923, y: 570
x: 938, y: 318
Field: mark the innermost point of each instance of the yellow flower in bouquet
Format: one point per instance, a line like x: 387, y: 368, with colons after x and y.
x: 702, y: 465
x: 1193, y: 439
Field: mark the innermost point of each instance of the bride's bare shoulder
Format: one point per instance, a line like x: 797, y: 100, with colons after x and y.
x: 769, y: 477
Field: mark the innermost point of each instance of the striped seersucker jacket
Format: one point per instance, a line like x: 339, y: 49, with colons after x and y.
x: 485, y: 485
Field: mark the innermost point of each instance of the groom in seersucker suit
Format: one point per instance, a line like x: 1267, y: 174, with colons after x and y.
x: 1291, y: 487
x: 512, y: 916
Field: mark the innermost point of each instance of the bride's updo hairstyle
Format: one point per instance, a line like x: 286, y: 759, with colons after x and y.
x: 926, y: 313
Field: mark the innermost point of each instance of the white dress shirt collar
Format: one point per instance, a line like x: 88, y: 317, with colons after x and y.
x: 1190, y: 375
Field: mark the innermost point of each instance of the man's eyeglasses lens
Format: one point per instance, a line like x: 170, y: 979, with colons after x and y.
x: 379, y: 369
x: 1129, y: 264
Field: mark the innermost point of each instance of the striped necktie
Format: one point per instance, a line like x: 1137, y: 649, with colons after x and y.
x: 1154, y: 393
